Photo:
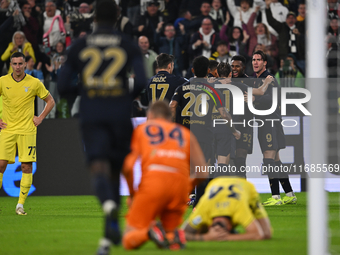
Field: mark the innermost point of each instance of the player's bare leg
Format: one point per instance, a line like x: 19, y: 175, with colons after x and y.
x: 25, y: 185
x: 3, y: 165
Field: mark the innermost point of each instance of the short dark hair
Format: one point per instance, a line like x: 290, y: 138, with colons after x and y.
x: 213, y: 65
x: 223, y: 69
x: 222, y: 42
x: 161, y: 109
x: 18, y: 55
x: 27, y: 58
x: 163, y: 60
x: 200, y: 65
x: 106, y: 12
x: 239, y: 58
x: 260, y: 52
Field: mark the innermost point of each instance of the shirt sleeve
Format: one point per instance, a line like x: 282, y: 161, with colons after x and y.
x: 42, y: 92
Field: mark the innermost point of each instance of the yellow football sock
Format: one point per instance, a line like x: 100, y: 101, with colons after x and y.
x: 1, y: 176
x: 25, y: 185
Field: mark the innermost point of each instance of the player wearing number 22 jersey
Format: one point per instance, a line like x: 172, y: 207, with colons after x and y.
x: 102, y: 59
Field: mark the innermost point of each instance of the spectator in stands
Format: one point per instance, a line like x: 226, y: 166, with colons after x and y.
x: 240, y: 14
x: 51, y: 11
x: 204, y: 42
x: 149, y: 56
x: 6, y: 29
x: 333, y: 9
x: 237, y: 42
x: 81, y: 21
x: 148, y: 22
x: 196, y: 22
x: 124, y: 25
x: 301, y: 12
x: 57, y: 60
x: 36, y: 73
x: 221, y: 55
x: 170, y: 12
x: 288, y: 74
x: 261, y: 35
x: 172, y: 44
x: 193, y: 6
x: 31, y: 29
x: 332, y: 56
x: 133, y: 10
x: 333, y: 28
x: 36, y: 10
x: 217, y: 12
x: 18, y: 44
x: 184, y: 18
x: 279, y: 13
x: 291, y: 34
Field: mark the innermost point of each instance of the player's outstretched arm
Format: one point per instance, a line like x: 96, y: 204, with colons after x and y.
x: 48, y: 107
x: 261, y: 90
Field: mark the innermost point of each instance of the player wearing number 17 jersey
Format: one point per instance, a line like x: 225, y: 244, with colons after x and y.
x: 102, y: 59
x: 164, y: 83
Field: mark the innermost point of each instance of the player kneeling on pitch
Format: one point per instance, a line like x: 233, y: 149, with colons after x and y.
x: 227, y: 203
x: 167, y: 150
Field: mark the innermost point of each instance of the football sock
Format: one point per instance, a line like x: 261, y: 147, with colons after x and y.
x: 1, y: 176
x: 135, y: 238
x: 290, y: 194
x: 286, y: 185
x: 25, y: 185
x: 240, y: 163
x: 284, y: 181
x: 274, y: 182
x: 102, y: 187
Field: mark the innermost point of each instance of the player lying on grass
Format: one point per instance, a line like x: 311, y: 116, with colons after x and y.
x: 167, y: 150
x: 227, y: 203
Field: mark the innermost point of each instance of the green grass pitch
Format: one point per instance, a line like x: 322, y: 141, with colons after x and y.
x: 65, y: 225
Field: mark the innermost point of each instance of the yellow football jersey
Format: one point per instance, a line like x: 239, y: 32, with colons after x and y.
x: 235, y: 198
x: 18, y: 103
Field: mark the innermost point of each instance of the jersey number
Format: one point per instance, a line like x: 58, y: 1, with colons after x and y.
x: 156, y: 134
x: 213, y: 192
x: 107, y: 78
x: 197, y: 101
x: 226, y: 94
x: 164, y: 88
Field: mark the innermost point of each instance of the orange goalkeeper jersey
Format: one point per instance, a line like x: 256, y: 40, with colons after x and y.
x: 161, y: 146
